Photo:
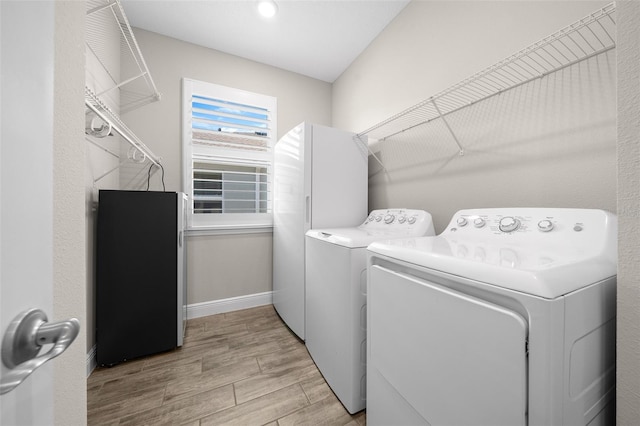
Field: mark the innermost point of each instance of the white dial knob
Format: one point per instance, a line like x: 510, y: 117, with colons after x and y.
x: 509, y: 224
x: 402, y: 219
x: 545, y: 225
x: 389, y: 218
x: 378, y: 218
x: 462, y: 221
x: 479, y: 222
x: 411, y: 220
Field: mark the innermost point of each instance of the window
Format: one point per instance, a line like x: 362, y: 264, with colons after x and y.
x: 228, y: 135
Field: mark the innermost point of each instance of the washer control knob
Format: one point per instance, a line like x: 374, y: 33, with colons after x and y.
x: 462, y: 221
x: 389, y: 219
x: 509, y: 224
x: 545, y: 225
x: 479, y: 222
x: 411, y: 220
x: 378, y: 218
x: 402, y: 219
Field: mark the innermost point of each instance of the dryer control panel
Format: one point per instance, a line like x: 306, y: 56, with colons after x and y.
x: 531, y: 238
x: 527, y: 222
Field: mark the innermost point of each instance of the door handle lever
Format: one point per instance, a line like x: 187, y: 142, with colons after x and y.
x: 23, y: 340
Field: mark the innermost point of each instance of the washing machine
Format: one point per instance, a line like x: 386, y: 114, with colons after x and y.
x: 508, y: 317
x: 335, y: 273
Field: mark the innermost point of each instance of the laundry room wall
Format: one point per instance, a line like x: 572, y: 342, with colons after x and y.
x: 628, y: 334
x: 548, y: 143
x: 219, y: 266
x: 69, y: 274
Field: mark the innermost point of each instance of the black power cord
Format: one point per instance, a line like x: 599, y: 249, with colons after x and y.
x: 149, y: 176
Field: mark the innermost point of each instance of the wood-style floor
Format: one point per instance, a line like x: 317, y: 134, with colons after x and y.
x: 238, y: 368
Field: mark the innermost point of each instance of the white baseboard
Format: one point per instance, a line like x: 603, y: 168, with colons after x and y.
x: 204, y: 309
x: 91, y: 360
x: 213, y: 307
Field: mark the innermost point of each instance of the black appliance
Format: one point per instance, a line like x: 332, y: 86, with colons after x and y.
x: 140, y: 274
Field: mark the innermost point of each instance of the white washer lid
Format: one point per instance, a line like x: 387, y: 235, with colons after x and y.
x: 528, y: 270
x: 354, y: 237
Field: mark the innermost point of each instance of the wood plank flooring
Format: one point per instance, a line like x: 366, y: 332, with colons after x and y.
x: 239, y: 368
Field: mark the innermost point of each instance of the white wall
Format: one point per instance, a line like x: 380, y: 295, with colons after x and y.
x: 227, y: 266
x: 69, y: 300
x: 548, y: 143
x: 628, y: 357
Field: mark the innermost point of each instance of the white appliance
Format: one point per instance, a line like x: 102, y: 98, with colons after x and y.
x: 320, y: 181
x: 506, y: 318
x: 336, y: 270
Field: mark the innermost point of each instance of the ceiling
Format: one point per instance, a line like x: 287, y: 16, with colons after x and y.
x: 316, y: 38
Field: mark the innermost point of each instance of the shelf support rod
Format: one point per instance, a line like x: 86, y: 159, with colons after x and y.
x: 99, y: 8
x: 122, y: 83
x: 444, y: 120
x: 108, y: 172
x: 372, y: 153
x: 108, y: 151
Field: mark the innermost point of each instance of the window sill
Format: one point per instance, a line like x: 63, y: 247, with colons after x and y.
x: 228, y: 230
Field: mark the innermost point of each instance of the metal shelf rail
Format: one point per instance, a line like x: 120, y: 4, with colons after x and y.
x: 586, y: 38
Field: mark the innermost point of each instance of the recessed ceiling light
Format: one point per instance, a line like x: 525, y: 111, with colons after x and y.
x: 267, y: 8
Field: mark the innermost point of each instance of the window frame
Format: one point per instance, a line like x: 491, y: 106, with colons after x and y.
x: 193, y: 153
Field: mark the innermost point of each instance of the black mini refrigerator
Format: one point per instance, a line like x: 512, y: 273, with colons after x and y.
x: 140, y: 274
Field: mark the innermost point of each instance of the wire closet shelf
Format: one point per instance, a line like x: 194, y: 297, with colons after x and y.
x: 118, y: 81
x: 104, y: 19
x: 93, y: 102
x: 586, y: 38
x: 138, y: 162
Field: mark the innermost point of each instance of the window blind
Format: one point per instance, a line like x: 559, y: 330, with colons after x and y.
x: 229, y: 188
x: 230, y: 125
x: 228, y: 140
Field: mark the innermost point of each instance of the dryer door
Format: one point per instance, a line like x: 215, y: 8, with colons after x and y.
x: 454, y: 359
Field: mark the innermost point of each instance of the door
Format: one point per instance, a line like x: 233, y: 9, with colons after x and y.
x: 450, y: 357
x: 26, y: 191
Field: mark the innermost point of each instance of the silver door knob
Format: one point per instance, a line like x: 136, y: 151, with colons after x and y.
x: 24, y: 338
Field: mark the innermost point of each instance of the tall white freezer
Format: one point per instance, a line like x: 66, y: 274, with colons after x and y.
x: 320, y: 181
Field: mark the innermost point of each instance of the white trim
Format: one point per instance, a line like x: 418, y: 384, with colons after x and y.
x: 92, y: 362
x: 199, y: 232
x: 213, y: 307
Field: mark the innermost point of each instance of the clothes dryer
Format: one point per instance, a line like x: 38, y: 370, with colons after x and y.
x: 506, y: 318
x: 336, y: 296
